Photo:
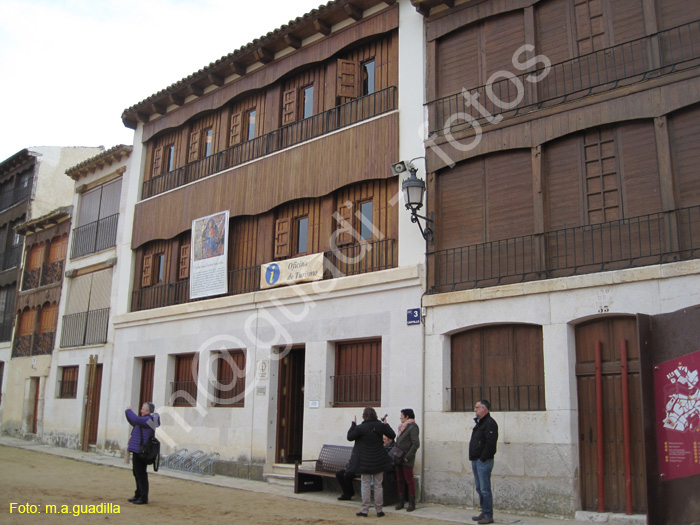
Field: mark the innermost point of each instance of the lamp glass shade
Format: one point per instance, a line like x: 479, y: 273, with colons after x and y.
x: 413, y: 189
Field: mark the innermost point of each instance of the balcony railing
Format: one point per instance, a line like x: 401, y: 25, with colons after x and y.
x: 10, y: 258
x: 622, y: 65
x: 95, y: 236
x: 33, y: 344
x: 357, y: 389
x: 85, y: 328
x: 627, y: 243
x: 11, y: 197
x: 511, y: 398
x: 48, y: 274
x: 346, y: 260
x: 339, y: 117
x: 184, y: 393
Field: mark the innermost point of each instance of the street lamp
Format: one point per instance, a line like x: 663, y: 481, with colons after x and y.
x: 413, y: 191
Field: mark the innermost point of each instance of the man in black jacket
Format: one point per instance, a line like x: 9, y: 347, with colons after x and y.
x: 482, y: 449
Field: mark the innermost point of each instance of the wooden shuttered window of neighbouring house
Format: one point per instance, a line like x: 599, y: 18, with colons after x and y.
x: 184, y: 264
x: 58, y: 249
x: 184, y: 387
x: 147, y: 272
x: 502, y: 364
x: 289, y: 106
x: 358, y: 373
x: 344, y: 226
x: 230, y: 377
x: 235, y: 129
x: 157, y: 161
x: 282, y: 233
x: 193, y: 153
x: 347, y: 84
x: 148, y: 366
x: 69, y: 383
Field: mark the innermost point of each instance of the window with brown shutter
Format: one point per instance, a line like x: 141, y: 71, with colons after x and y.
x: 157, y: 162
x: 282, y: 238
x: 344, y: 226
x: 184, y: 267
x: 502, y: 364
x: 68, y: 388
x: 358, y: 373
x: 147, y: 274
x: 234, y: 136
x: 184, y: 388
x: 346, y: 85
x: 230, y: 377
x: 47, y: 321
x: 289, y: 106
x: 194, y: 146
x: 148, y: 366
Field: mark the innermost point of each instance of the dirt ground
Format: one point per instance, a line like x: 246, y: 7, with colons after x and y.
x: 36, y: 479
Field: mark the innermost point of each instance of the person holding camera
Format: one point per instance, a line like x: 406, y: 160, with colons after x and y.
x: 144, y: 428
x: 372, y: 461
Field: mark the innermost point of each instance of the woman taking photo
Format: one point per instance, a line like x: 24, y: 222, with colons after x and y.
x: 408, y: 440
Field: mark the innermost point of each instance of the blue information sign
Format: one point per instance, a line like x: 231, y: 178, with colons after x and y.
x: 413, y: 316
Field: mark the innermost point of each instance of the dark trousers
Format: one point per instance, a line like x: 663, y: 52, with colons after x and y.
x: 404, y: 474
x: 345, y: 480
x: 141, y: 477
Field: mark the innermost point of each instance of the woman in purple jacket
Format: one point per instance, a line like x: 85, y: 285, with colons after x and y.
x: 144, y: 429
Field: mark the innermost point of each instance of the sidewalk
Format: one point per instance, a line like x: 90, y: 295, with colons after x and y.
x: 445, y: 513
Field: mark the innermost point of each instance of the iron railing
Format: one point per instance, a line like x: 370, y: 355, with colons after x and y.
x: 184, y: 393
x: 10, y: 258
x: 68, y: 388
x: 48, y: 274
x: 85, y: 328
x: 15, y: 195
x: 346, y: 260
x: 295, y: 133
x: 627, y: 243
x: 635, y: 61
x: 33, y: 344
x: 357, y: 389
x: 95, y: 236
x: 510, y: 398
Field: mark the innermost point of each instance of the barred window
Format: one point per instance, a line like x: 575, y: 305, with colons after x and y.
x: 68, y: 388
x: 502, y: 364
x: 358, y: 373
x: 230, y: 379
x: 184, y: 388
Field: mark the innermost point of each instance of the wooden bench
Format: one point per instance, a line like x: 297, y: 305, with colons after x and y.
x: 331, y: 459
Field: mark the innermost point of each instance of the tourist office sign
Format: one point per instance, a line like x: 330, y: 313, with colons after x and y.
x: 677, y: 393
x: 290, y: 271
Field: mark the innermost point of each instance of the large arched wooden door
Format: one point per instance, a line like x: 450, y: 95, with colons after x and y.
x: 610, y: 334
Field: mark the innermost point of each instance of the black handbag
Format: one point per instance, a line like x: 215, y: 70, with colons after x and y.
x: 149, y: 451
x: 396, y: 454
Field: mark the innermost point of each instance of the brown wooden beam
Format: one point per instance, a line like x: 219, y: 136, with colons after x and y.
x: 292, y: 41
x: 177, y: 99
x: 142, y: 117
x: 192, y: 89
x: 217, y: 80
x: 421, y: 6
x: 158, y: 108
x: 353, y: 11
x: 449, y: 3
x: 264, y: 55
x: 322, y: 27
x: 389, y: 2
x: 238, y: 68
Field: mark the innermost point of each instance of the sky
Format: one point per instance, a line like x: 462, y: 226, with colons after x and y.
x: 69, y: 68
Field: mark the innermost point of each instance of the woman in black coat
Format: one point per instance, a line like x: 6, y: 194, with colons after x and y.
x: 371, y: 460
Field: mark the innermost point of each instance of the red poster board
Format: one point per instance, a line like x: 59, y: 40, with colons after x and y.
x: 677, y: 393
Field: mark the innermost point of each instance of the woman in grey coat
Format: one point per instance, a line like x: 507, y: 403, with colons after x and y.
x: 408, y: 440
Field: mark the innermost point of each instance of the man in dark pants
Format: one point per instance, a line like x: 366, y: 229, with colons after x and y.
x: 482, y: 449
x: 345, y: 477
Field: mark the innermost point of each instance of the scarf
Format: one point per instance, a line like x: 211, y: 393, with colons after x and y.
x: 403, y: 425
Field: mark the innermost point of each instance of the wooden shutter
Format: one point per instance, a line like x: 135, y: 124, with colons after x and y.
x: 36, y: 257
x: 148, y: 366
x: 58, y: 249
x: 346, y: 85
x: 344, y: 226
x: 234, y: 136
x: 26, y: 324
x: 157, y: 162
x: 47, y: 323
x: 289, y: 106
x: 602, y: 182
x: 282, y: 238
x: 184, y: 267
x: 194, y: 147
x: 147, y: 274
x: 101, y: 289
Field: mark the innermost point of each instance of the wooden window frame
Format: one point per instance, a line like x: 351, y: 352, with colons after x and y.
x: 477, y: 357
x: 254, y: 112
x: 303, y: 101
x: 358, y: 373
x: 364, y: 88
x: 159, y: 276
x: 185, y: 381
x: 224, y: 395
x: 360, y: 223
x: 297, y: 235
x: 168, y: 158
x: 68, y: 387
x: 207, y: 145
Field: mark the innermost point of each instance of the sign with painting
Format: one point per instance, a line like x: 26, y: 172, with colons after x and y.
x: 290, y: 271
x: 677, y: 392
x: 208, y: 268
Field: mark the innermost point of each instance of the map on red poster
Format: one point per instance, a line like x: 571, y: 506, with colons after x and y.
x: 677, y: 392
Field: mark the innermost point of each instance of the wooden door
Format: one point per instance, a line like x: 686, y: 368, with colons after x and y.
x: 35, y: 404
x: 92, y: 402
x: 609, y: 334
x: 148, y: 366
x: 290, y: 406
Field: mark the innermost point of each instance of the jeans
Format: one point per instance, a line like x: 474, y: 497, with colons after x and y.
x: 482, y: 483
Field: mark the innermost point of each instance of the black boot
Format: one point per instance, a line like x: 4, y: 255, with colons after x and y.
x: 399, y: 505
x: 411, y: 504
